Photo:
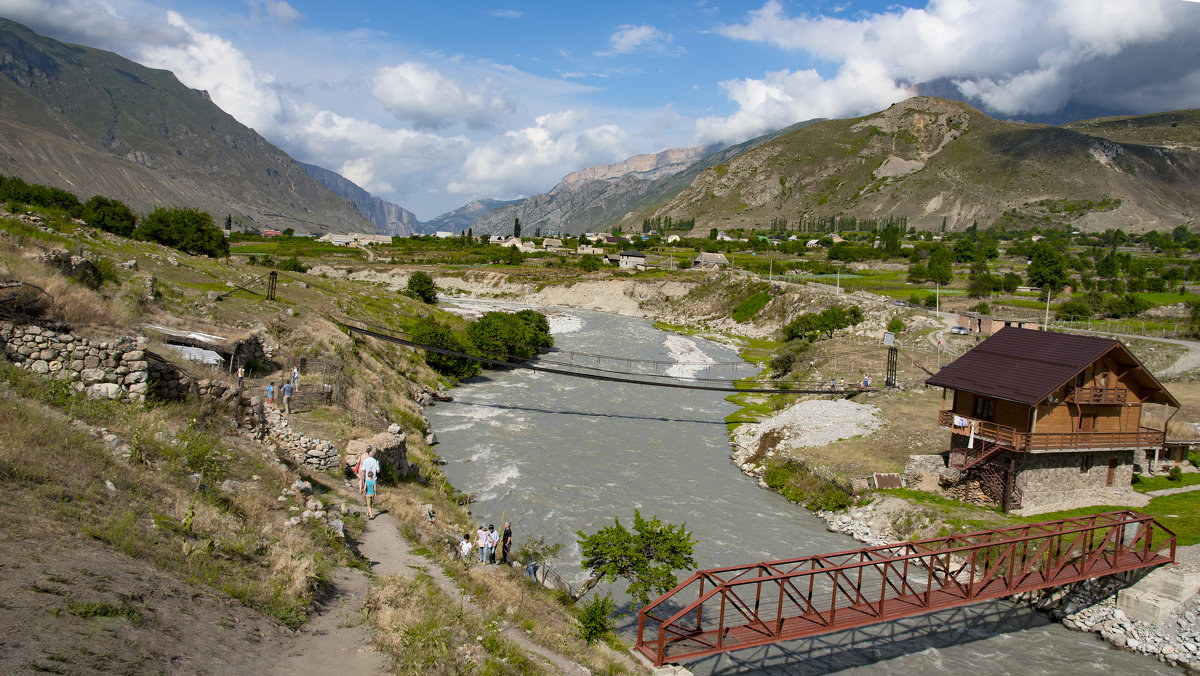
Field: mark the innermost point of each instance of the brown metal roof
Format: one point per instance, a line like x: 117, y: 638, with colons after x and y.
x: 1026, y: 366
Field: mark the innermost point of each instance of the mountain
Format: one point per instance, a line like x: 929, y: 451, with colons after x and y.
x: 92, y: 122
x: 465, y: 216
x: 389, y: 218
x: 936, y: 161
x: 594, y: 198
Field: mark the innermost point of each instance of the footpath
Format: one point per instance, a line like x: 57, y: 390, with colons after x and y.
x: 337, y: 639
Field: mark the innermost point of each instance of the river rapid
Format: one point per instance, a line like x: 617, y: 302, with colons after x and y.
x: 555, y: 455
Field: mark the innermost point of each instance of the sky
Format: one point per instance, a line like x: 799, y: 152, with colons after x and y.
x: 432, y: 104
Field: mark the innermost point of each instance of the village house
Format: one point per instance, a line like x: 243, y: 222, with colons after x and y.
x: 610, y: 239
x: 709, y: 261
x: 632, y: 259
x: 553, y: 244
x: 986, y: 325
x: 588, y: 249
x: 1044, y: 421
x: 496, y: 239
x: 272, y: 233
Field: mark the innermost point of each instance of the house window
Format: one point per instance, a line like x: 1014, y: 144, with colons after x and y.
x: 985, y: 408
x: 1085, y: 463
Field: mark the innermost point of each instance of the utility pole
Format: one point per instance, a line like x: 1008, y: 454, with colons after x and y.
x: 1046, y: 321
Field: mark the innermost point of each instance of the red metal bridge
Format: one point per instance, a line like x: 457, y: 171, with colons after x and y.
x: 723, y: 609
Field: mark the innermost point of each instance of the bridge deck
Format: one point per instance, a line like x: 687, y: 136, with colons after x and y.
x: 735, y: 612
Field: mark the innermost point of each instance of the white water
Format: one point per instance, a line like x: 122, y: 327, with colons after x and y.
x: 556, y: 455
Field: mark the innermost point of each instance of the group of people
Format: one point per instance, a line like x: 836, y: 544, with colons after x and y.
x: 367, y: 470
x: 290, y: 387
x: 487, y: 541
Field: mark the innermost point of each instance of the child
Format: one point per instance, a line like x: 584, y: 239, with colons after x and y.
x: 464, y: 549
x: 271, y: 393
x: 370, y: 493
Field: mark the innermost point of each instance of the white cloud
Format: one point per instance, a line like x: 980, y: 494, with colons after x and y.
x: 525, y: 161
x: 507, y: 13
x: 416, y: 92
x: 1018, y: 57
x: 277, y: 10
x: 629, y: 38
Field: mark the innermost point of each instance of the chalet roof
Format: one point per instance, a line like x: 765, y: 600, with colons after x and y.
x: 1027, y: 366
x: 632, y: 253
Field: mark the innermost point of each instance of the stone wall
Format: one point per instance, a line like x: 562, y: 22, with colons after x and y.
x: 1052, y: 481
x: 390, y: 451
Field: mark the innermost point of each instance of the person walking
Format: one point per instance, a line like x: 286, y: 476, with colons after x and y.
x: 368, y: 474
x: 464, y: 549
x: 481, y: 540
x: 271, y: 393
x: 241, y: 376
x: 505, y: 542
x: 287, y: 399
x: 493, y: 540
x: 296, y: 378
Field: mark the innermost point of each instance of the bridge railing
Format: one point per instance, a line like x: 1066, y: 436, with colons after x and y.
x: 723, y: 609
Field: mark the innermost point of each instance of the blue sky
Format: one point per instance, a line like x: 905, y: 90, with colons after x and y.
x: 430, y: 104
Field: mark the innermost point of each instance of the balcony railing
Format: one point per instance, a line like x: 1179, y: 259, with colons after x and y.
x: 1023, y: 442
x: 1105, y: 396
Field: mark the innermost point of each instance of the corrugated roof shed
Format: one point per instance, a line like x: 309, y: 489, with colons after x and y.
x: 1027, y: 366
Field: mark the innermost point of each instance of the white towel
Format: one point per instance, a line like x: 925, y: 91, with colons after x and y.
x: 971, y: 441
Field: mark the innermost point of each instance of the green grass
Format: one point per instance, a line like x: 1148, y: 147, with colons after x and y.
x: 1145, y: 484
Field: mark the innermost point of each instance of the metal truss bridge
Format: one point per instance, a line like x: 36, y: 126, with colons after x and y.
x: 724, y: 609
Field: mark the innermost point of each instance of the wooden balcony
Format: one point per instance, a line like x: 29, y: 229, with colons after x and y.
x: 1103, y: 396
x: 1023, y: 442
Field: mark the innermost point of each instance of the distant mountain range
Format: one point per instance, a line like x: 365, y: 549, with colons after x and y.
x: 935, y: 161
x: 92, y: 122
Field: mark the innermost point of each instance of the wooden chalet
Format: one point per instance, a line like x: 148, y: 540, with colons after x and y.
x: 1049, y: 420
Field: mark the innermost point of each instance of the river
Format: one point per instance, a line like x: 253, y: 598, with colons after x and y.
x: 555, y: 455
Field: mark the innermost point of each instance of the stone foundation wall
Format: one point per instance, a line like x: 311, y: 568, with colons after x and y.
x: 1055, y: 478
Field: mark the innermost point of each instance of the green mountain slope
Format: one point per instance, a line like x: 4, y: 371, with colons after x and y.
x: 93, y: 122
x: 937, y: 161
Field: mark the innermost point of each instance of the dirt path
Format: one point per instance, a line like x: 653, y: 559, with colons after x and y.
x: 336, y: 640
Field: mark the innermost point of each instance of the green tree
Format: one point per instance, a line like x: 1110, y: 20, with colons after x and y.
x: 589, y: 263
x: 421, y: 287
x: 186, y: 229
x: 646, y: 557
x: 109, y: 215
x: 1047, y: 267
x: 516, y: 227
x: 896, y: 325
x: 510, y: 336
x: 442, y: 339
x: 940, y: 269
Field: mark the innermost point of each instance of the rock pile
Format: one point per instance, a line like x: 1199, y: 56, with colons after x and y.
x: 304, y: 450
x: 328, y: 512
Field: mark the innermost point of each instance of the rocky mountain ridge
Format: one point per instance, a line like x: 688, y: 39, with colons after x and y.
x: 92, y: 122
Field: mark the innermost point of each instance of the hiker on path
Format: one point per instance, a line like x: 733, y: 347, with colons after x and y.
x: 505, y: 542
x: 481, y: 541
x: 271, y: 393
x: 241, y: 376
x: 287, y: 399
x: 368, y: 474
x: 493, y: 540
x: 296, y: 378
x: 464, y: 549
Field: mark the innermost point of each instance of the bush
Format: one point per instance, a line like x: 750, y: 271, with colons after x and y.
x: 510, y: 337
x: 589, y: 263
x: 429, y: 331
x: 595, y: 618
x: 109, y: 215
x: 896, y: 325
x: 186, y: 229
x: 785, y: 360
x: 292, y: 265
x: 421, y: 287
x: 1176, y: 473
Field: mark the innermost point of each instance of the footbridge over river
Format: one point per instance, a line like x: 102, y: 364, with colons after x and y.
x: 724, y: 609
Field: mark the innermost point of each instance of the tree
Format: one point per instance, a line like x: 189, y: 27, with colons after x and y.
x: 186, y: 229
x: 589, y: 263
x: 516, y: 227
x: 421, y: 287
x: 428, y: 331
x: 1047, y: 267
x: 109, y: 215
x: 939, y: 269
x: 647, y: 557
x: 896, y: 325
x: 510, y: 336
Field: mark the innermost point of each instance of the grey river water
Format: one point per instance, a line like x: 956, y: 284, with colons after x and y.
x: 555, y: 455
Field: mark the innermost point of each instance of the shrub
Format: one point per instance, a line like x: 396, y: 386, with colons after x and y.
x: 896, y: 325
x: 589, y: 263
x: 595, y: 618
x: 292, y: 265
x: 785, y: 360
x: 510, y: 336
x: 109, y: 215
x: 186, y: 229
x: 429, y: 331
x: 750, y: 307
x: 421, y: 287
x: 1176, y: 473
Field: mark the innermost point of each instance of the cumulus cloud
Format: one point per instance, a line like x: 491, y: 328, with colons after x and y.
x: 629, y: 38
x: 1020, y: 57
x: 421, y: 94
x: 525, y: 161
